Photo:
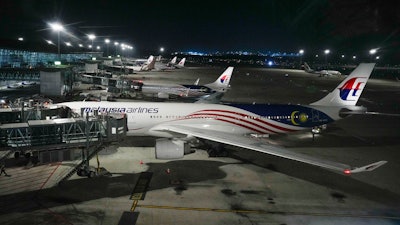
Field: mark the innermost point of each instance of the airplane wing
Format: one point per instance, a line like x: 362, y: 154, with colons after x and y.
x: 255, y: 144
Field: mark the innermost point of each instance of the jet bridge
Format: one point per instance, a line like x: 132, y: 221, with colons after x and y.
x: 62, y: 133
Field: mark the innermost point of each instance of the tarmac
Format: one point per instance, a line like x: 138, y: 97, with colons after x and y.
x: 245, y: 188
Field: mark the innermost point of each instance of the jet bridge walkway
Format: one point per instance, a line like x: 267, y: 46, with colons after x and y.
x: 35, y: 137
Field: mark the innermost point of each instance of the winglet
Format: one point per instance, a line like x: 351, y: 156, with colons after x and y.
x: 366, y: 168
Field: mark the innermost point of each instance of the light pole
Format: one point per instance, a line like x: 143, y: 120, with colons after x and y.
x: 107, y: 41
x: 58, y: 28
x: 116, y: 48
x: 301, y: 52
x: 92, y: 37
x: 327, y: 51
x: 372, y: 52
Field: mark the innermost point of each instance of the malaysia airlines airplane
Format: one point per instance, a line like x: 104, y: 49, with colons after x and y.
x: 190, y: 91
x: 177, y: 124
x: 146, y: 66
x: 181, y: 63
x: 172, y: 62
x: 308, y: 69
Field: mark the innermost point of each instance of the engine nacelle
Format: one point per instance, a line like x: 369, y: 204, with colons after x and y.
x: 163, y: 95
x: 167, y: 148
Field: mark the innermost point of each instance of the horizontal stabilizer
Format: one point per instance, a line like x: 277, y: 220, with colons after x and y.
x: 366, y: 168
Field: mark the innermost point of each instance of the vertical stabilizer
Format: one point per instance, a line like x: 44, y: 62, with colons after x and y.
x: 349, y: 90
x: 222, y: 83
x: 149, y: 65
x: 181, y: 63
x: 172, y: 62
x: 307, y: 68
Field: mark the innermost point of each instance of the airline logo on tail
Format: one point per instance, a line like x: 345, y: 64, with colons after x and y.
x: 223, y: 79
x: 349, y: 90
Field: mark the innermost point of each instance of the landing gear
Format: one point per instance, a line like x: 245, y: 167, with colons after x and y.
x: 92, y: 172
x: 217, y: 151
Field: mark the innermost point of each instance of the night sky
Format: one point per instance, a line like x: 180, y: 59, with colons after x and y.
x: 210, y: 26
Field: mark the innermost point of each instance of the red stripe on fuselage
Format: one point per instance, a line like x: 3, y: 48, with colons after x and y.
x: 241, y: 115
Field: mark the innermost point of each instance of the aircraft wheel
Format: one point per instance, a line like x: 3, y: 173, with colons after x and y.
x: 91, y: 174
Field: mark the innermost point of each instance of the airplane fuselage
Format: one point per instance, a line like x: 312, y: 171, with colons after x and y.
x: 187, y: 91
x: 236, y: 118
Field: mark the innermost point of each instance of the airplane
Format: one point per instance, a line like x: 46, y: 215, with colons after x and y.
x: 181, y: 63
x: 177, y: 125
x: 172, y: 62
x: 308, y: 69
x: 189, y: 91
x: 172, y: 65
x: 133, y: 67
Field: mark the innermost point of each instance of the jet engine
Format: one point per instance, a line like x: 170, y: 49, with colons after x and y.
x: 167, y: 148
x: 162, y: 95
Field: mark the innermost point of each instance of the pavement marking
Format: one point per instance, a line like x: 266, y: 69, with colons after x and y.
x: 134, y: 204
x: 51, y: 174
x: 268, y: 212
x: 141, y: 186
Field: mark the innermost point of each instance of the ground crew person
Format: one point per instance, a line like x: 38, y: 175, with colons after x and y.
x: 3, y: 170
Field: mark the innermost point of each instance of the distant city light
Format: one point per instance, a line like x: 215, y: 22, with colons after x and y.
x: 68, y: 44
x: 301, y: 52
x: 20, y: 39
x: 107, y: 40
x: 57, y: 63
x: 161, y: 49
x: 342, y: 56
x: 49, y: 42
x: 354, y: 57
x: 80, y: 45
x: 327, y: 51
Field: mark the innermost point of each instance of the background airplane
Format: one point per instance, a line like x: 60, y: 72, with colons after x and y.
x: 135, y: 67
x: 171, y: 65
x: 172, y: 62
x: 179, y: 124
x: 189, y: 91
x: 181, y: 63
x: 308, y: 69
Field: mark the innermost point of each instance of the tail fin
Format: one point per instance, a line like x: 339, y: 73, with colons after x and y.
x: 222, y: 83
x: 349, y: 90
x: 149, y: 65
x: 173, y: 61
x: 307, y: 68
x: 181, y: 63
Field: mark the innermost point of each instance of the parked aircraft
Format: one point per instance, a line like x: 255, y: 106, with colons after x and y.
x: 134, y: 67
x: 308, y: 69
x: 189, y: 91
x: 178, y: 124
x: 181, y: 63
x: 171, y: 65
x: 172, y: 62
